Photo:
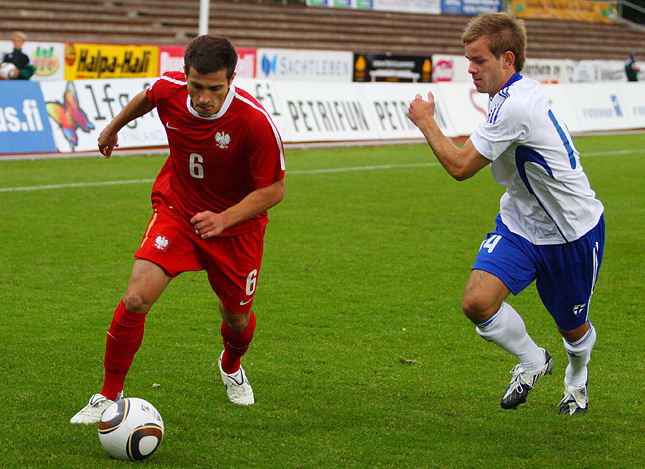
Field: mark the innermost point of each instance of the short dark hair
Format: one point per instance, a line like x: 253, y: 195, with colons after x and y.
x: 206, y: 54
x: 502, y: 32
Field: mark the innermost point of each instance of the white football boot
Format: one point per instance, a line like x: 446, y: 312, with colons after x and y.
x: 523, y: 381
x: 574, y: 400
x: 92, y: 412
x: 237, y: 385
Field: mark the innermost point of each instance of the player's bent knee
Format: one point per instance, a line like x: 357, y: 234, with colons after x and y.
x: 476, y: 310
x: 575, y: 334
x: 235, y: 322
x: 136, y: 303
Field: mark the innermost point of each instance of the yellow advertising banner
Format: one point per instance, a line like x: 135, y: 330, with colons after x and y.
x: 93, y: 61
x: 591, y: 12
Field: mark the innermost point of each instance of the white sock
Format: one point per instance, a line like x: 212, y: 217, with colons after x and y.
x: 579, y: 355
x: 507, y: 329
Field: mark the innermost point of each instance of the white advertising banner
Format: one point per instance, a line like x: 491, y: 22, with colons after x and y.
x: 409, y: 6
x: 598, y: 106
x: 405, y: 6
x: 598, y: 71
x: 329, y: 112
x: 47, y: 57
x: 454, y: 68
x: 562, y: 107
x: 79, y: 110
x: 465, y: 107
x: 633, y: 95
x: 450, y: 68
x: 388, y: 103
x: 545, y: 70
x: 304, y: 65
x: 267, y: 95
x: 335, y: 112
x: 321, y: 112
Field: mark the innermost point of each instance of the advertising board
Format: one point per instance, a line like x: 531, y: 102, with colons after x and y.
x: 47, y: 57
x: 94, y: 61
x: 304, y: 65
x: 79, y: 110
x: 24, y: 124
x: 171, y: 58
x: 633, y: 96
x: 598, y: 106
x: 393, y: 68
x: 576, y: 10
x: 67, y: 116
x: 469, y: 7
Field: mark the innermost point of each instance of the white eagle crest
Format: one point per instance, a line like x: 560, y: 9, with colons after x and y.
x: 222, y: 139
x: 161, y: 242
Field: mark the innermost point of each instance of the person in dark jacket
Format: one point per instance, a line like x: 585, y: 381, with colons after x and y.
x: 23, y: 69
x: 631, y: 69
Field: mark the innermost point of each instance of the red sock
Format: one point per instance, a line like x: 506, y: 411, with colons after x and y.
x: 123, y: 340
x: 236, y: 344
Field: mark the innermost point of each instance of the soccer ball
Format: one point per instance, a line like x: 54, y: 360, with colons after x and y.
x: 131, y: 429
x: 7, y: 70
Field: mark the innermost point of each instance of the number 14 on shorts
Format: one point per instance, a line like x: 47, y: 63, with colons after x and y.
x: 490, y: 243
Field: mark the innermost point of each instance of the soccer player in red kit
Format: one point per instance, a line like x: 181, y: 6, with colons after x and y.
x: 225, y: 170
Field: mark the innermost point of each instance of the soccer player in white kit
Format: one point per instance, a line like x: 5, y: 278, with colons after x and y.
x: 550, y: 226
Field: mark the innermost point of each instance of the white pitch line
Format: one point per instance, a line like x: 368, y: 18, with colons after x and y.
x: 289, y: 173
x: 362, y: 168
x: 611, y: 153
x: 146, y: 181
x: 78, y: 184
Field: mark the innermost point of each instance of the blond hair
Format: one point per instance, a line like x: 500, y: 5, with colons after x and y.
x: 19, y: 35
x: 502, y: 32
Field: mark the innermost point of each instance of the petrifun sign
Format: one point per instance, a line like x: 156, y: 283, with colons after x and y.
x: 342, y: 112
x: 335, y: 111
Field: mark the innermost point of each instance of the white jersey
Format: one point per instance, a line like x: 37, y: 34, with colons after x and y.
x: 548, y: 198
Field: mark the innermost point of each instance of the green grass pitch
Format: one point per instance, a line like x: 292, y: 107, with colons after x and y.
x: 362, y: 356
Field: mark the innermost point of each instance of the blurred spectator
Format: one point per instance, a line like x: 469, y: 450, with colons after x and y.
x: 15, y: 64
x: 631, y: 69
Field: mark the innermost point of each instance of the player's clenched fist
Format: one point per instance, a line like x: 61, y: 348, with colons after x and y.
x: 108, y: 140
x: 208, y: 224
x: 421, y: 110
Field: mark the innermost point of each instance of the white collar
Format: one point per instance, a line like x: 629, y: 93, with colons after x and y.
x: 225, y: 105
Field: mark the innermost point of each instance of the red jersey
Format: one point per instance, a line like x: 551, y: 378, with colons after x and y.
x: 215, y: 161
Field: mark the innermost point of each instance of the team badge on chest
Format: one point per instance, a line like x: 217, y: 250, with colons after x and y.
x: 222, y: 139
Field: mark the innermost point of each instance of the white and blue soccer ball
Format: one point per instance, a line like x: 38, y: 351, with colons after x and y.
x: 131, y: 429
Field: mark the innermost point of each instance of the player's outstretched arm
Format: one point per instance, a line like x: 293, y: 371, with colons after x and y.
x: 209, y: 224
x: 461, y: 163
x: 137, y: 107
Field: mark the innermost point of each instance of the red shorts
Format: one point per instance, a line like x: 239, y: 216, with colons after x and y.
x: 231, y: 262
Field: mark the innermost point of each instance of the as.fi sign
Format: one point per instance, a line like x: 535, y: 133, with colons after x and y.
x: 24, y: 123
